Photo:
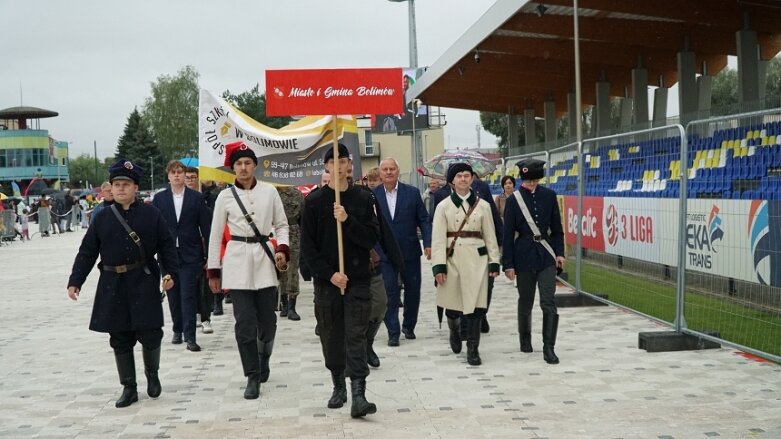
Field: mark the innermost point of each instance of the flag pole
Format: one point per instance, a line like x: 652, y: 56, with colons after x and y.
x: 338, y: 194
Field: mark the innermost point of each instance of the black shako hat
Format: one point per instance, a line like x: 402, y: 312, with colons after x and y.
x: 125, y: 170
x: 455, y: 168
x: 329, y: 153
x: 531, y: 169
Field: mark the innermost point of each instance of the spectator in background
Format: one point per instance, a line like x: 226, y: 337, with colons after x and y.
x: 508, y: 187
x: 44, y: 216
x: 428, y: 195
x: 108, y: 198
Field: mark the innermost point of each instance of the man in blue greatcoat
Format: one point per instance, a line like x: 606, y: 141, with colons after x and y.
x: 533, y: 256
x: 127, y: 301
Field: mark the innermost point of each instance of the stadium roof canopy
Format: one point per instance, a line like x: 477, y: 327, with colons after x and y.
x: 526, y: 49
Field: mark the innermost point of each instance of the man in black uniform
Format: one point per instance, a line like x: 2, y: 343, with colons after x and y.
x: 343, y: 318
x: 127, y: 301
x: 533, y: 253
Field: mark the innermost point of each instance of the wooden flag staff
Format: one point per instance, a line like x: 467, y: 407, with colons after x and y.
x: 338, y: 194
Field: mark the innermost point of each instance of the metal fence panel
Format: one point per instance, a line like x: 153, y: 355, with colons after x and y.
x: 733, y: 246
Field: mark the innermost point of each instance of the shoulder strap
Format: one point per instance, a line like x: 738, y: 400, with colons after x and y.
x: 461, y: 227
x: 530, y: 221
x: 133, y: 235
x: 251, y: 222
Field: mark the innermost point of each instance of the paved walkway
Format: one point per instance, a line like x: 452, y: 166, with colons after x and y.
x: 58, y: 379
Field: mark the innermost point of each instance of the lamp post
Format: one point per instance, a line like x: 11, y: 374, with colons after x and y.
x: 417, y: 158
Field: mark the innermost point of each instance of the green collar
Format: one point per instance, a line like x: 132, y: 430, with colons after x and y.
x: 457, y: 200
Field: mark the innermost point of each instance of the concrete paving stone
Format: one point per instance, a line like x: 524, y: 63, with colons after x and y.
x: 58, y: 379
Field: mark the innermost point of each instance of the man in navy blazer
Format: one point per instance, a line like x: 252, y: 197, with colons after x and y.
x: 402, y: 208
x: 189, y: 221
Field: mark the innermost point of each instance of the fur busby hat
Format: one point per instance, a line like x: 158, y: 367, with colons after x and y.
x: 531, y: 169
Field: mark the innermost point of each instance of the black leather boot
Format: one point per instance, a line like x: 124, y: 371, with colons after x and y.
x: 283, y: 305
x: 473, y: 341
x: 291, y: 310
x: 525, y: 332
x: 550, y: 326
x: 455, y: 336
x: 250, y: 362
x: 126, y: 367
x: 371, y: 357
x: 361, y: 407
x: 151, y: 367
x: 264, y: 350
x: 339, y: 396
x: 218, y: 305
x: 485, y: 328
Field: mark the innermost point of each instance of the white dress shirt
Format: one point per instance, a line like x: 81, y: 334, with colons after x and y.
x: 390, y: 197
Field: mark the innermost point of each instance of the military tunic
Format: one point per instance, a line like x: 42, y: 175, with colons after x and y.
x: 466, y: 287
x: 293, y: 201
x: 126, y: 301
x: 519, y: 250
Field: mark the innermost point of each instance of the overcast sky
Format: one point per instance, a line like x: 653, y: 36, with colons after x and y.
x: 93, y: 60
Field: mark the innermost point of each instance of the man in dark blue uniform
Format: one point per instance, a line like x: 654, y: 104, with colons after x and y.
x: 534, y: 256
x: 127, y: 301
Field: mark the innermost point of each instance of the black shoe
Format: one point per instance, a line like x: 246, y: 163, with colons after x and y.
x: 484, y: 326
x: 283, y: 305
x: 218, y: 309
x: 317, y: 329
x: 409, y: 334
x: 193, y: 346
x: 361, y: 407
x: 228, y: 298
x: 177, y: 338
x: 393, y: 342
x: 371, y: 332
x: 253, y: 387
x: 339, y: 395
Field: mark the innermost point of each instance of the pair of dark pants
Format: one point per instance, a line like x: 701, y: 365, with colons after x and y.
x: 528, y: 281
x: 379, y: 300
x: 124, y: 341
x: 255, y: 316
x: 183, y: 299
x: 343, y: 321
x: 411, y: 277
x: 205, y: 300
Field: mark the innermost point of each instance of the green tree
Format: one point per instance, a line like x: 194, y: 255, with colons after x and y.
x: 82, y: 171
x: 253, y: 104
x: 172, y: 113
x: 724, y: 90
x: 137, y: 144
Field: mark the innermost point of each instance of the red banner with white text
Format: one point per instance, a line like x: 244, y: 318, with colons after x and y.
x: 334, y: 91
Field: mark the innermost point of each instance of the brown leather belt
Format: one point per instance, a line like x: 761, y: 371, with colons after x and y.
x: 120, y: 268
x: 478, y: 235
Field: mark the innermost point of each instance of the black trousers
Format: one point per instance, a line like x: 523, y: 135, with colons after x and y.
x: 205, y: 299
x: 124, y: 341
x: 343, y: 322
x: 255, y: 316
x: 529, y: 281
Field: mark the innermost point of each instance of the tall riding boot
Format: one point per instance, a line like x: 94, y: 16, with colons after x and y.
x: 473, y: 341
x: 151, y: 366
x: 455, y: 336
x: 291, y: 310
x: 550, y: 326
x: 251, y: 365
x: 485, y: 328
x: 126, y: 367
x: 339, y: 395
x: 525, y: 332
x: 264, y: 350
x: 371, y: 357
x: 283, y: 305
x: 361, y: 407
x: 463, y: 328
